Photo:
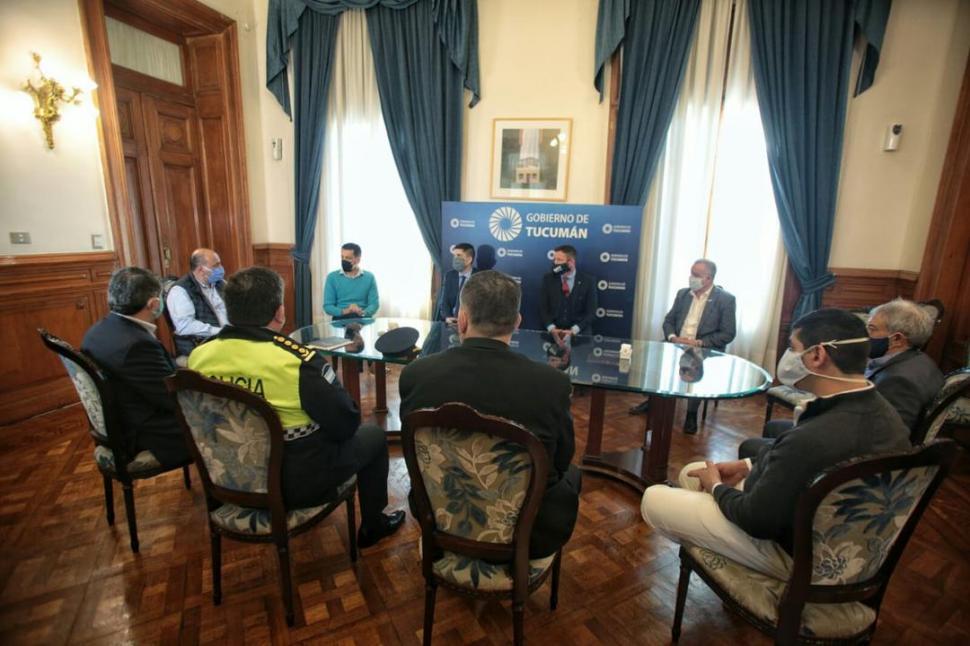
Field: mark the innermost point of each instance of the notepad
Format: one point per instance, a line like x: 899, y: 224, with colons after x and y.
x: 330, y: 343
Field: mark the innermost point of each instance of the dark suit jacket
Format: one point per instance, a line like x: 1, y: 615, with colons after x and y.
x: 490, y: 377
x: 448, y: 295
x: 581, y: 304
x: 909, y: 381
x: 717, y: 326
x: 136, y: 363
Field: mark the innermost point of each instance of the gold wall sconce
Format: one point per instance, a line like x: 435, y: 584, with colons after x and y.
x: 48, y: 97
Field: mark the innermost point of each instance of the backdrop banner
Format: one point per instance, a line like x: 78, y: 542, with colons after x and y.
x: 517, y: 238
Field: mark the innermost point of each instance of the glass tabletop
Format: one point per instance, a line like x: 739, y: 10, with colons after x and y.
x: 654, y: 367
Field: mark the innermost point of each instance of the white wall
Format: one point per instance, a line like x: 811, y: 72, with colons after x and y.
x: 55, y: 195
x: 886, y: 198
x: 536, y: 61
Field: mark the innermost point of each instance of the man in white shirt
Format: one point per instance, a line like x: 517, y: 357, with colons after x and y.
x: 195, y: 304
x: 703, y: 316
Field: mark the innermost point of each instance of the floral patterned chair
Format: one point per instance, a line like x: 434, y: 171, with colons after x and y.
x: 111, y: 454
x: 477, y: 482
x: 236, y: 440
x: 851, y: 527
x: 950, y: 409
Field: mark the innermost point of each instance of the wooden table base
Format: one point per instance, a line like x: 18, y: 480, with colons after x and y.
x: 640, y: 467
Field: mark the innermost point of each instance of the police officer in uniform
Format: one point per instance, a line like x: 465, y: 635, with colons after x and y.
x: 324, y: 442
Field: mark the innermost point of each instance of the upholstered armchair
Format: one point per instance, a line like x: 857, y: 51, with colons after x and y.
x: 851, y: 526
x: 236, y: 440
x: 111, y: 454
x: 951, y: 408
x: 477, y: 482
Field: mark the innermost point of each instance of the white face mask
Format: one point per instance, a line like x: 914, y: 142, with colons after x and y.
x: 791, y: 368
x: 696, y: 283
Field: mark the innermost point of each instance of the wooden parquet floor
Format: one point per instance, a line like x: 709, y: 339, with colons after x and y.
x: 66, y: 577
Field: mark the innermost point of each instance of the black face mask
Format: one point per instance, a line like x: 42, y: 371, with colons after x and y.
x: 347, y: 266
x: 878, y: 347
x: 560, y: 269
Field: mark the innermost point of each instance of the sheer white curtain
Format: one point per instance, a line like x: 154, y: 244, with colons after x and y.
x: 361, y: 198
x: 711, y: 196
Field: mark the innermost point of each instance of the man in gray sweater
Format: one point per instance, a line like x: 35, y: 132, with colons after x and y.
x: 744, y: 509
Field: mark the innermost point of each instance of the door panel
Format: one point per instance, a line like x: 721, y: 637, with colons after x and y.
x: 141, y: 224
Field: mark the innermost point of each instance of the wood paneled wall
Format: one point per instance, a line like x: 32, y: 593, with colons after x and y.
x: 277, y: 257
x: 65, y: 293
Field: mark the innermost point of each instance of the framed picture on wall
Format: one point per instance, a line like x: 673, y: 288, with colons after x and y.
x: 530, y: 158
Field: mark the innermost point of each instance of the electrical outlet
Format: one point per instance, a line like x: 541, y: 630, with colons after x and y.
x: 19, y: 237
x: 97, y: 241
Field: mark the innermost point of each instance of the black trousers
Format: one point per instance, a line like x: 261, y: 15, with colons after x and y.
x: 753, y: 445
x: 369, y: 445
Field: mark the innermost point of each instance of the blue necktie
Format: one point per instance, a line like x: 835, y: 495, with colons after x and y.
x: 461, y: 284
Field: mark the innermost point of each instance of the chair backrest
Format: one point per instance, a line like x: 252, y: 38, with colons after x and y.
x: 167, y: 284
x: 852, y: 524
x: 94, y: 391
x: 477, y: 482
x: 950, y: 402
x: 236, y: 441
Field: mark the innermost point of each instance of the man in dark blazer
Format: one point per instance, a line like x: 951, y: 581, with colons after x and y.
x: 486, y: 374
x: 462, y: 259
x: 124, y: 345
x: 567, y: 305
x: 703, y: 316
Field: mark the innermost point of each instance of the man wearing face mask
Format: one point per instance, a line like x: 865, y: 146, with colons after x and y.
x: 905, y: 376
x: 195, y: 301
x: 703, y: 316
x: 744, y: 509
x: 509, y: 385
x: 350, y: 292
x: 124, y: 345
x: 567, y: 305
x: 324, y: 442
x: 462, y: 259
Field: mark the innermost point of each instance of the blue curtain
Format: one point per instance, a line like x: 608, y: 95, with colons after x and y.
x: 421, y: 99
x: 871, y: 17
x: 656, y: 38
x: 313, y: 59
x: 802, y: 57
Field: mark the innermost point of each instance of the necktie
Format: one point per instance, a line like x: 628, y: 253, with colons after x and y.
x: 565, y: 287
x: 461, y: 284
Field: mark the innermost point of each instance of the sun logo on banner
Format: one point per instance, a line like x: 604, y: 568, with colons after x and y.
x: 505, y: 224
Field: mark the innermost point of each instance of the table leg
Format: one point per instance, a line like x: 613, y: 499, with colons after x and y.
x: 350, y: 371
x: 380, y: 385
x: 660, y: 425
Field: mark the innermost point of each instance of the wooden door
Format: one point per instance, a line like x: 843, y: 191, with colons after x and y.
x: 141, y: 224
x: 175, y: 164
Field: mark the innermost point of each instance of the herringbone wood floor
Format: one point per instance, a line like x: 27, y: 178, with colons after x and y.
x: 66, y: 577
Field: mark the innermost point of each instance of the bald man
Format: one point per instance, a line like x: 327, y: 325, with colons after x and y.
x: 195, y: 302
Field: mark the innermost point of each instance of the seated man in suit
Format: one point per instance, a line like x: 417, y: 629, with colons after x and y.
x: 462, y: 258
x: 904, y: 375
x: 752, y: 522
x: 124, y: 345
x: 488, y: 376
x: 324, y: 443
x: 350, y: 292
x: 567, y: 305
x: 702, y: 316
x: 194, y: 302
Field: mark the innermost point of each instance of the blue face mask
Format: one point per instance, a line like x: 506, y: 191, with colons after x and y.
x: 161, y: 308
x: 217, y: 275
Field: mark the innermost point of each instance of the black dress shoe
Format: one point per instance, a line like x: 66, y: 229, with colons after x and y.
x: 640, y: 408
x: 390, y: 523
x: 690, y: 424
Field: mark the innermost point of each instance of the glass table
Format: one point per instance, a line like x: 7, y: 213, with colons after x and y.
x: 663, y: 371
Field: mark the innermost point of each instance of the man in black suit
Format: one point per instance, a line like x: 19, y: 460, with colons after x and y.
x: 567, y: 305
x: 744, y: 509
x: 462, y: 259
x: 485, y: 374
x: 703, y: 316
x: 906, y: 377
x: 124, y: 345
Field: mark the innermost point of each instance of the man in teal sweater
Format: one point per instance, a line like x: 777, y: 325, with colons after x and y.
x: 350, y: 292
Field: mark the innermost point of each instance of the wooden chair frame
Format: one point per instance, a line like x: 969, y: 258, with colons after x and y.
x: 434, y: 541
x: 800, y: 589
x: 963, y: 390
x: 115, y: 441
x: 216, y: 496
